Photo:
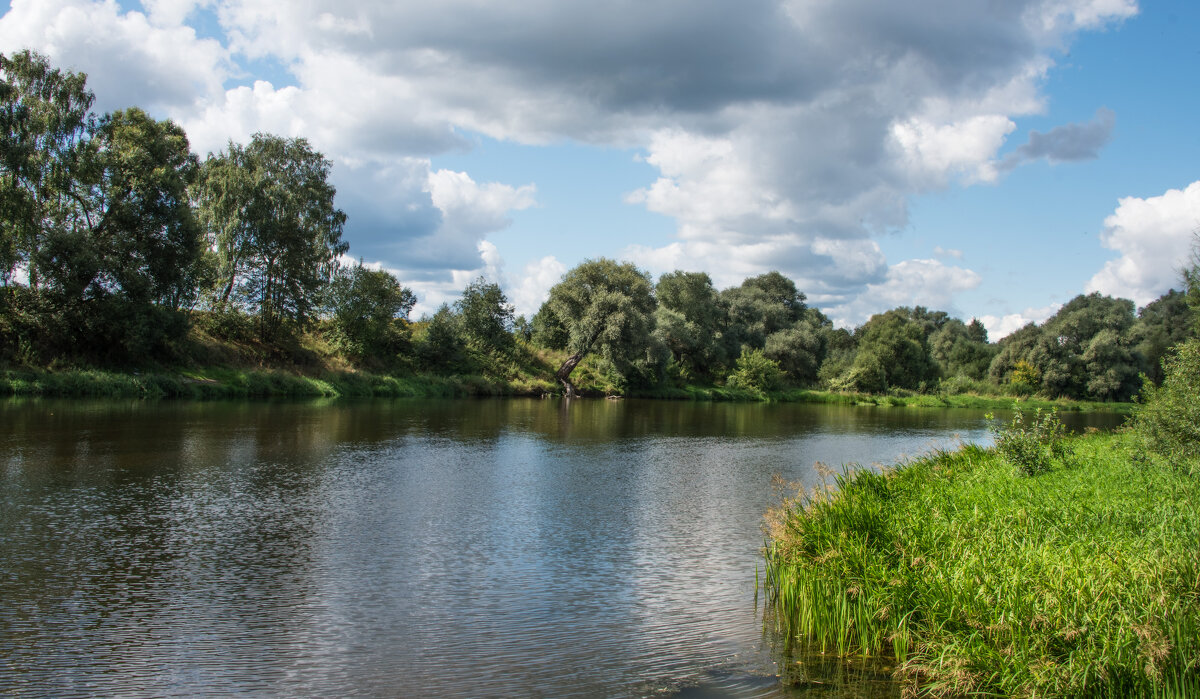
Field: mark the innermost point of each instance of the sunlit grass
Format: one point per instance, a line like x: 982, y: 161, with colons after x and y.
x: 1082, y: 581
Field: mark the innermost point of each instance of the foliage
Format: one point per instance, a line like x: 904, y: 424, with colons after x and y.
x: 1190, y: 276
x: 1162, y: 324
x: 755, y: 372
x: 1025, y: 378
x: 754, y: 313
x: 798, y: 350
x: 961, y: 349
x: 97, y: 212
x: 1032, y: 448
x: 893, y: 346
x: 601, y: 306
x: 45, y: 125
x: 268, y: 207
x: 368, y: 311
x: 1169, y: 416
x: 690, y: 322
x: 486, y: 316
x: 441, y: 346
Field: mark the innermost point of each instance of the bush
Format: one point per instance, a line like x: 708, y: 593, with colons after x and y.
x: 755, y: 372
x: 1034, y: 447
x: 1168, y: 418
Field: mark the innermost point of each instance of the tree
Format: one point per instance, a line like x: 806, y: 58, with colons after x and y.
x: 134, y: 260
x: 1014, y: 348
x: 486, y: 316
x: 1169, y: 416
x: 1085, y: 350
x: 1190, y: 276
x: 798, y: 350
x: 1074, y: 347
x: 755, y: 371
x: 961, y: 350
x: 755, y: 313
x: 98, y: 213
x: 781, y: 291
x: 269, y: 211
x: 1162, y: 324
x: 442, y: 344
x: 689, y: 321
x: 368, y: 311
x: 601, y: 306
x: 45, y: 125
x: 896, y: 342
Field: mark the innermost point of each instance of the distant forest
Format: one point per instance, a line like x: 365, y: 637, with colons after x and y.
x: 119, y: 247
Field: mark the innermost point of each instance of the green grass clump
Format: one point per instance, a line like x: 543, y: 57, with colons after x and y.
x: 1080, y: 581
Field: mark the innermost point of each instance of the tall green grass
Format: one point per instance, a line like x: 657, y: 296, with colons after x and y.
x: 1081, y: 581
x: 224, y: 383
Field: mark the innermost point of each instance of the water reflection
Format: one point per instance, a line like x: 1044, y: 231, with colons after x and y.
x: 450, y: 548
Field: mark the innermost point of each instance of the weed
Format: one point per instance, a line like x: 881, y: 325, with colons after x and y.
x: 1032, y: 448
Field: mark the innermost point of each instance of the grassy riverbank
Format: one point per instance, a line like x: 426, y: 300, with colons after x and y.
x: 227, y: 383
x: 1080, y: 581
x: 896, y: 399
x: 325, y: 382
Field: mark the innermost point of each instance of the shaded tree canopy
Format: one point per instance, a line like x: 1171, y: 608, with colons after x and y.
x: 690, y: 321
x: 368, y: 311
x: 1085, y: 350
x: 601, y: 306
x: 46, y: 122
x: 895, y: 344
x: 486, y: 316
x: 268, y: 207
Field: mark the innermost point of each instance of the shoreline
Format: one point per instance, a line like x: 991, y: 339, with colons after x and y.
x: 976, y: 579
x: 221, y: 383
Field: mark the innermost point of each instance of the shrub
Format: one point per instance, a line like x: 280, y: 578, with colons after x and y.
x: 1034, y: 447
x: 1168, y: 418
x: 755, y: 372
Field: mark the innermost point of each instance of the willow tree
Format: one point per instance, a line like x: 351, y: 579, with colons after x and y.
x: 600, y: 306
x: 269, y: 210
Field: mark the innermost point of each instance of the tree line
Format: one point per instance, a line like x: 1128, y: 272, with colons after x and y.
x: 117, y: 244
x: 762, y: 335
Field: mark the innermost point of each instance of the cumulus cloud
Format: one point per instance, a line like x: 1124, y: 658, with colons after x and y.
x: 926, y: 283
x: 1153, y: 236
x: 786, y: 134
x: 530, y: 291
x: 130, y: 59
x: 1002, y: 326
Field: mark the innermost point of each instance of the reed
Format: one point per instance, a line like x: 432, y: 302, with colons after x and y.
x: 1080, y: 581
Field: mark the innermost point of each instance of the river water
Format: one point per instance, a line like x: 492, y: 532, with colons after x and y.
x: 507, y: 548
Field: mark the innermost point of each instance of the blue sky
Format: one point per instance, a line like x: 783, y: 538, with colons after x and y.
x: 988, y: 159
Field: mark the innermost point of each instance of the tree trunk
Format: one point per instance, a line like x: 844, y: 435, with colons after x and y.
x: 564, y: 372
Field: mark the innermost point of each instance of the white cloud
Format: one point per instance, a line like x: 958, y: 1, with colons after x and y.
x: 926, y: 283
x: 786, y: 134
x: 934, y: 152
x: 1002, y: 326
x: 530, y: 291
x: 130, y: 60
x: 947, y: 252
x: 1153, y: 237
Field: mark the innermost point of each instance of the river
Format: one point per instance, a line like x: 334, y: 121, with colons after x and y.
x: 507, y: 548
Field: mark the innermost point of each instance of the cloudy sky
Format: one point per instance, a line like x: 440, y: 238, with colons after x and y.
x: 991, y: 158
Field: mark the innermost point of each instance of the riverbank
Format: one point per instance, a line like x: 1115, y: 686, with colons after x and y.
x: 897, y: 399
x: 1081, y: 581
x: 224, y: 383
x: 241, y: 383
